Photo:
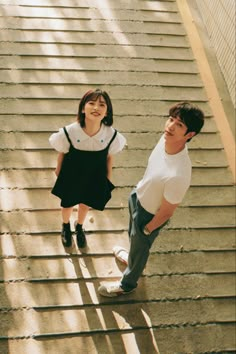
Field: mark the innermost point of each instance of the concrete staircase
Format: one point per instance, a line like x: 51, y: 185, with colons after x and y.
x: 51, y: 52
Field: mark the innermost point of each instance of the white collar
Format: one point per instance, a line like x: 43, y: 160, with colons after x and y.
x: 82, y: 136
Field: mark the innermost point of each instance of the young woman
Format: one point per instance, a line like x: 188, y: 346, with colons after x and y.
x: 84, y: 164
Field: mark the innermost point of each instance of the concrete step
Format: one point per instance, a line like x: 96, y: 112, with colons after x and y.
x: 54, y: 268
x: 99, y: 78
x: 39, y: 140
x: 25, y: 294
x: 84, y: 37
x: 91, y: 14
x: 26, y: 62
x: 99, y: 25
x: 113, y: 219
x: 101, y: 243
x: 45, y: 178
x: 87, y: 319
x: 127, y: 158
x: 47, y: 91
x: 34, y: 199
x: 136, y: 5
x: 91, y: 50
x: 62, y: 107
x: 123, y: 122
x: 205, y: 337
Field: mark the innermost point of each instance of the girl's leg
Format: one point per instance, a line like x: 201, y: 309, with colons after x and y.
x: 66, y: 235
x: 82, y: 212
x: 66, y: 213
x: 80, y: 235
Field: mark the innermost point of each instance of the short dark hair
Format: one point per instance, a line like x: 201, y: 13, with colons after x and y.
x: 190, y: 114
x: 93, y: 95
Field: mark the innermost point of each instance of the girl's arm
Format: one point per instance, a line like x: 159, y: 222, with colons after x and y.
x: 59, y: 163
x: 109, y: 166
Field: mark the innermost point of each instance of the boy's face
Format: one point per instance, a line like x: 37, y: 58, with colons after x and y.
x: 175, y: 131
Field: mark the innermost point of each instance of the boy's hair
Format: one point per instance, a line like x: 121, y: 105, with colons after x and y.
x: 191, y: 115
x: 93, y: 95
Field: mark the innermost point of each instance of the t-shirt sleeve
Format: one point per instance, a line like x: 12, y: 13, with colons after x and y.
x: 118, y: 144
x: 175, y: 190
x: 59, y: 141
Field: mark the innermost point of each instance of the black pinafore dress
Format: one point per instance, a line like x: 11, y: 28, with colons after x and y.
x: 83, y: 178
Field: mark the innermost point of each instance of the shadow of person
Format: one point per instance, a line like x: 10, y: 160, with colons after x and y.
x: 133, y: 317
x: 132, y: 322
x: 101, y: 324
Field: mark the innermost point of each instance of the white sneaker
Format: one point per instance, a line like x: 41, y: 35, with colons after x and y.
x: 121, y: 254
x: 112, y: 290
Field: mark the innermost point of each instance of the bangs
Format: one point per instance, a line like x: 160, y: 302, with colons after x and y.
x: 93, y: 96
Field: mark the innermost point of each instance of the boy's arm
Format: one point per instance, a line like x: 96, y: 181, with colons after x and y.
x: 163, y: 214
x: 59, y: 163
x: 109, y: 166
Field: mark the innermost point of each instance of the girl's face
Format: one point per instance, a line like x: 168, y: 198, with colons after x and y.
x: 95, y: 110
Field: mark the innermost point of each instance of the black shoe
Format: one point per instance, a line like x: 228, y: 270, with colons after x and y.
x: 66, y: 235
x: 80, y: 236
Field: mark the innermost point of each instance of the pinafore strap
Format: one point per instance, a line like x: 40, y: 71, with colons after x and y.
x: 67, y: 135
x: 112, y: 139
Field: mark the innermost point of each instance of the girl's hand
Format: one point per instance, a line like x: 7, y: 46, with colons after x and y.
x: 57, y: 171
x: 59, y: 163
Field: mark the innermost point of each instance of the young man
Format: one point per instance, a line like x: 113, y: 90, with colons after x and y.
x: 157, y: 195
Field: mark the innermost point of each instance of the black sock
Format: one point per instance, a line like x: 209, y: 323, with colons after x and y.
x: 79, y: 226
x: 66, y: 225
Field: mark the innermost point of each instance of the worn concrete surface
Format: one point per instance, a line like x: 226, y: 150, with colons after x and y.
x: 51, y: 52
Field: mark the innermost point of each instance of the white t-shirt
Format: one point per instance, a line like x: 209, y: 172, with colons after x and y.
x: 81, y: 141
x: 166, y: 175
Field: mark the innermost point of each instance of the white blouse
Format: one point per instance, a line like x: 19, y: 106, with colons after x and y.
x: 81, y: 141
